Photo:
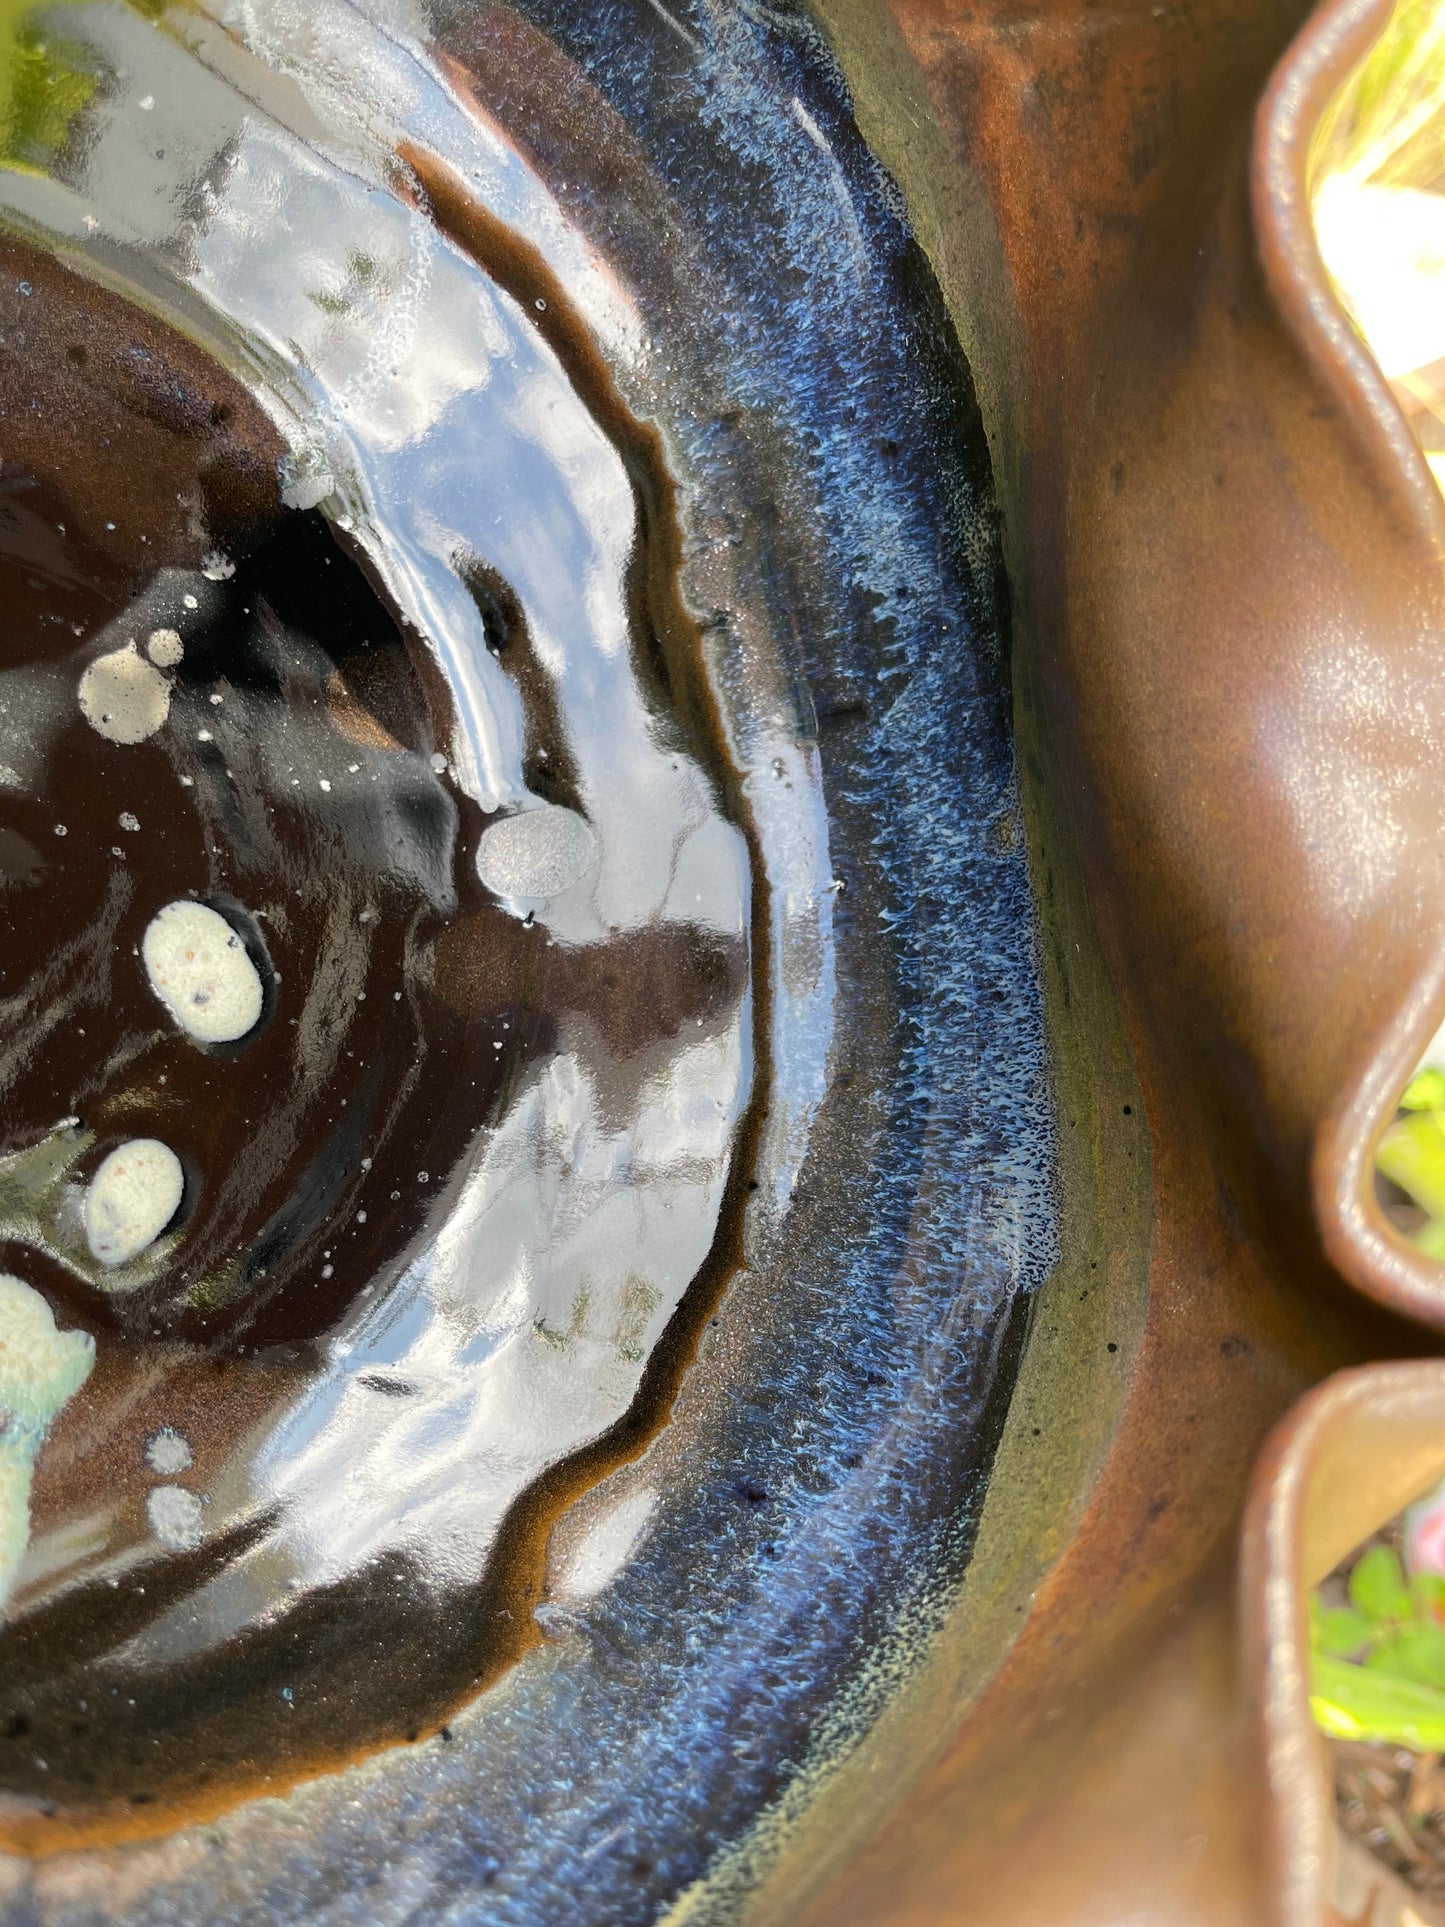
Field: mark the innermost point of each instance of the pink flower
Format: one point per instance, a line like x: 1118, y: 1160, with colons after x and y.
x: 1425, y: 1534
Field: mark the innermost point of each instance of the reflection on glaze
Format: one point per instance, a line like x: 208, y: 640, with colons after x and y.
x: 826, y: 1456
x: 41, y: 1369
x: 432, y: 848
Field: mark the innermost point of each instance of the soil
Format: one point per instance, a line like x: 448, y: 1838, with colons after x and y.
x: 1393, y: 1802
x: 1389, y: 1799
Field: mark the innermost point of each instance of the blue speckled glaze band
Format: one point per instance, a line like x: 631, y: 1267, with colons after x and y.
x: 810, y: 1507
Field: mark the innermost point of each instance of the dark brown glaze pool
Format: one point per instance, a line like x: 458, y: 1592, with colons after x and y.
x: 306, y: 787
x: 307, y: 190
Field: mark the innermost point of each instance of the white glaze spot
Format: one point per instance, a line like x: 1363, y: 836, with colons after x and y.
x: 199, y: 969
x: 131, y: 1199
x: 175, y: 1517
x: 165, y: 648
x: 40, y: 1369
x: 537, y: 853
x: 168, y: 1452
x: 123, y: 697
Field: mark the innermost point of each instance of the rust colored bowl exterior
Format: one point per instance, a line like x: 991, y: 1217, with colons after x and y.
x: 1229, y: 683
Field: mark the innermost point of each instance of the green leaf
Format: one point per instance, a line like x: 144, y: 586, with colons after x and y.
x: 45, y: 84
x: 1412, y: 1155
x: 1416, y: 1652
x: 1341, y: 1631
x: 1356, y: 1703
x: 1427, y: 1589
x: 47, y: 95
x: 1425, y: 1092
x: 1377, y: 1585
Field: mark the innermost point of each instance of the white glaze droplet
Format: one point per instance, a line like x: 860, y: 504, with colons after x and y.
x: 175, y: 1517
x: 199, y: 969
x: 131, y: 1199
x: 536, y: 853
x: 168, y: 1453
x: 165, y: 648
x: 123, y: 697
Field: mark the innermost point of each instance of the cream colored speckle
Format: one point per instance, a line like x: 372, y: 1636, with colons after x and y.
x: 165, y: 648
x: 123, y: 697
x: 131, y: 1199
x: 199, y: 968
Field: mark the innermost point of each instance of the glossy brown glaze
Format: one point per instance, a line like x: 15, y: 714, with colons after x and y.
x: 405, y: 1010
x: 341, y: 892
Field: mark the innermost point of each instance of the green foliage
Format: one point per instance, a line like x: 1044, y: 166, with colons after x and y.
x: 1389, y: 122
x: 1425, y: 1092
x: 1412, y: 1154
x: 1355, y: 1703
x: 44, y: 85
x: 1378, y: 1664
x: 1377, y: 1588
x: 1339, y: 1632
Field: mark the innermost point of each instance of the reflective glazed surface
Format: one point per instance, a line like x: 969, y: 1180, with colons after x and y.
x: 442, y: 1199
x: 458, y: 457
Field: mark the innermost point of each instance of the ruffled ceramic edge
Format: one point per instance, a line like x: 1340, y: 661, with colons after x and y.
x: 1302, y: 1842
x: 1337, y: 36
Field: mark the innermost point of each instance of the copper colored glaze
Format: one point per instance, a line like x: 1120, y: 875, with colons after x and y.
x: 1230, y: 702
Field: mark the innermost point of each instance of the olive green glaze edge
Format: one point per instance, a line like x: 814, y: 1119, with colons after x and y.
x: 1070, y: 1391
